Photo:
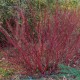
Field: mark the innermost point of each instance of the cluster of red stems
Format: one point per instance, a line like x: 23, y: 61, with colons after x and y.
x: 55, y: 40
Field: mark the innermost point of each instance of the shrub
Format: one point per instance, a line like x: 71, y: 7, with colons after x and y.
x: 55, y: 40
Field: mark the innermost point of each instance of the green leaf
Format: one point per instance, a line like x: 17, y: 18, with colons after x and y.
x: 69, y: 71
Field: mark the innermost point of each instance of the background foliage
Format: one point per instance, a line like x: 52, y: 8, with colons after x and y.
x: 6, y: 6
